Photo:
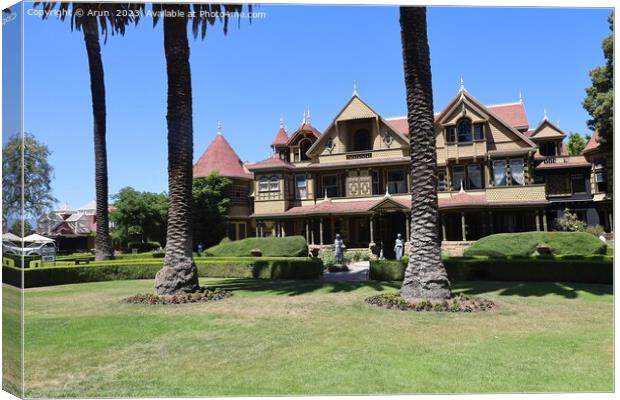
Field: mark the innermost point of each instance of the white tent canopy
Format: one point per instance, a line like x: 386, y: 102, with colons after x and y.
x: 37, y: 238
x: 11, y: 237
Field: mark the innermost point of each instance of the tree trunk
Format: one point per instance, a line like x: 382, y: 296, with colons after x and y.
x: 103, y: 244
x: 425, y: 276
x: 179, y: 272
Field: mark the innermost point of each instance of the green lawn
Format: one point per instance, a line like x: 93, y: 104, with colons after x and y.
x: 279, y: 338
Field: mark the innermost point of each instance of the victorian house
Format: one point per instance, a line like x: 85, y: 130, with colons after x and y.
x: 496, y: 174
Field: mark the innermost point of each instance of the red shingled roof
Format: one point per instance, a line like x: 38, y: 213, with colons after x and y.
x: 512, y: 113
x: 273, y: 161
x: 592, y: 144
x: 281, y: 138
x: 305, y: 127
x: 221, y: 157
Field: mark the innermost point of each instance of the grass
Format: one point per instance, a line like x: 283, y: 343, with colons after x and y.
x: 288, y: 338
x: 524, y: 244
x: 290, y: 246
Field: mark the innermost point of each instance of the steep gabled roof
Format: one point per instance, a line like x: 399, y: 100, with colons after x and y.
x: 221, y: 157
x: 305, y: 127
x: 273, y: 162
x: 592, y: 144
x: 281, y: 138
x: 556, y: 131
x: 512, y: 113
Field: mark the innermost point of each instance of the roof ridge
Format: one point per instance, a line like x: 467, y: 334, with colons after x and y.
x: 512, y: 103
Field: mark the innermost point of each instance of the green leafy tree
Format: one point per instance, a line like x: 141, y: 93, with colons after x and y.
x: 570, y: 223
x: 576, y: 144
x: 210, y: 206
x: 139, y: 216
x: 425, y: 276
x: 599, y: 101
x: 179, y: 273
x: 91, y: 18
x: 36, y: 173
x: 21, y: 228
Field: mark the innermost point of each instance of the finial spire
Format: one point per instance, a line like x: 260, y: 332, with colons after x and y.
x: 219, y: 127
x: 520, y: 97
x: 387, y: 191
x: 354, y: 88
x: 303, y: 120
x: 281, y: 122
x: 308, y: 116
x: 545, y: 117
x: 462, y: 190
x: 462, y: 87
x: 326, y: 198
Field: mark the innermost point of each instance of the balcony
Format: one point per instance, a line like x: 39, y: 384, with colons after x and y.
x: 357, y: 155
x: 516, y: 194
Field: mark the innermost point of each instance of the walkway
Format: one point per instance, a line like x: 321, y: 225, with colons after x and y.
x: 358, y: 272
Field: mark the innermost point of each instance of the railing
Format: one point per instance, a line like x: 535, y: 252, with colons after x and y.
x: 356, y: 155
x: 562, y: 159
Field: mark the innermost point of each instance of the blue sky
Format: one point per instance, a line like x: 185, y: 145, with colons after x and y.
x: 297, y: 56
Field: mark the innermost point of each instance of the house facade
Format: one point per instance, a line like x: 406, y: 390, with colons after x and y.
x: 496, y: 174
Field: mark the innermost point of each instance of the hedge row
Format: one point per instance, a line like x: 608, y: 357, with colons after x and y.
x: 585, y: 270
x: 273, y: 268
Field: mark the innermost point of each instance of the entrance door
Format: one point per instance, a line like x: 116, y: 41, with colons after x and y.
x: 390, y: 224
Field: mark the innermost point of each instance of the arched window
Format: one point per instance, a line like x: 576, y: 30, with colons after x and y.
x: 274, y: 184
x: 463, y: 130
x: 361, y: 140
x: 304, y: 145
x: 263, y: 184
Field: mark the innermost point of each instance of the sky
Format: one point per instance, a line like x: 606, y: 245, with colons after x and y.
x: 294, y: 58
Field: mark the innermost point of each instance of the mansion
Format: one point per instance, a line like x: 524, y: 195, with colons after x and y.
x: 496, y: 174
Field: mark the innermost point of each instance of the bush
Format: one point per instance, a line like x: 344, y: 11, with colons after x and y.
x: 570, y: 268
x: 290, y: 246
x: 240, y: 267
x: 524, y: 244
x: 570, y: 223
x: 143, y: 246
x: 596, y: 230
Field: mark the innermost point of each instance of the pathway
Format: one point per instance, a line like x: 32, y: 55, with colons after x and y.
x: 358, y: 272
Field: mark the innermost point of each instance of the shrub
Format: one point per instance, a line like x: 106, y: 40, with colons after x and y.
x: 143, y: 246
x: 290, y: 246
x: 570, y: 223
x: 239, y: 267
x: 387, y: 270
x: 328, y: 258
x: 596, y: 230
x: 524, y: 244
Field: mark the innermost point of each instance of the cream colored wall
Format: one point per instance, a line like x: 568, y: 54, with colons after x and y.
x: 516, y: 194
x: 548, y: 131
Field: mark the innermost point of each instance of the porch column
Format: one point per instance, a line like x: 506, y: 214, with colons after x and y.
x: 443, y: 227
x: 273, y: 229
x: 463, y: 227
x: 332, y: 225
x: 544, y: 218
x: 312, y: 233
x: 257, y: 228
x: 407, y: 226
x: 372, y: 228
x: 282, y: 232
x: 307, y: 232
x: 536, y: 217
x: 321, y: 231
x: 611, y: 221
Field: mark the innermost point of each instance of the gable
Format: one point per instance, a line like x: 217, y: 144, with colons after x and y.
x: 356, y: 109
x: 547, y: 130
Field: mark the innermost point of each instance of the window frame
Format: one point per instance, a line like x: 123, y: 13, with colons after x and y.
x: 263, y: 180
x: 482, y: 133
x: 455, y: 181
x: 297, y: 187
x: 442, y: 183
x: 325, y: 187
x: 451, y: 134
x: 375, y: 180
x: 512, y: 180
x: 273, y: 188
x: 467, y: 177
x: 397, y: 186
x: 505, y: 165
x: 462, y: 122
x: 582, y: 181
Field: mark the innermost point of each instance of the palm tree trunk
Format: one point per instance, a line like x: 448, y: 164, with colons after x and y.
x: 425, y: 276
x: 103, y: 244
x: 179, y: 271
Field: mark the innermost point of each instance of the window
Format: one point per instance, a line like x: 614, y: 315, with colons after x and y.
x: 478, y: 131
x: 301, y: 189
x: 304, y: 145
x: 458, y: 177
x: 361, y: 140
x: 274, y: 184
x: 463, y: 129
x: 548, y: 149
x: 450, y: 134
x: 396, y: 182
x: 474, y: 176
x: 441, y: 181
x: 600, y: 176
x: 578, y: 183
x: 376, y: 189
x: 263, y: 184
x: 499, y: 173
x: 516, y: 171
x: 330, y: 185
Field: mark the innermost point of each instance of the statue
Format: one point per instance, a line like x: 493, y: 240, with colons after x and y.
x: 399, y: 245
x: 339, y: 250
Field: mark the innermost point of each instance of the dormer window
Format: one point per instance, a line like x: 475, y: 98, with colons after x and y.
x: 361, y: 140
x: 464, y: 130
x: 451, y: 134
x: 548, y: 149
x: 304, y: 146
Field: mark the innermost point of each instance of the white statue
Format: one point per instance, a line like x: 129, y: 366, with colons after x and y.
x: 399, y: 246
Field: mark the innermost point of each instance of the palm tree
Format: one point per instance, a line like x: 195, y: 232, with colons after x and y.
x: 425, y: 276
x: 179, y: 273
x: 88, y: 18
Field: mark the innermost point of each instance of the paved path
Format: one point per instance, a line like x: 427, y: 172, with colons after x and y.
x: 358, y: 273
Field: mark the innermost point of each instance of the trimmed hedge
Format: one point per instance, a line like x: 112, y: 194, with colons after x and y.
x: 524, y: 244
x: 262, y: 268
x: 593, y: 269
x: 289, y: 246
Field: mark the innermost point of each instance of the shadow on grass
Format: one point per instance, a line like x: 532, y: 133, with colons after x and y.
x: 529, y: 289
x: 296, y: 288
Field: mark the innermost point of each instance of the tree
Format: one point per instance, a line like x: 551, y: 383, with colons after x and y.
x: 570, y: 223
x: 179, y: 273
x: 599, y: 101
x: 139, y: 216
x: 21, y: 228
x: 576, y: 144
x: 36, y: 173
x: 210, y: 206
x: 425, y: 276
x: 89, y: 18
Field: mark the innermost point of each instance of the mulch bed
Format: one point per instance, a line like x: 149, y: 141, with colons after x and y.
x: 458, y: 303
x: 202, y: 295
